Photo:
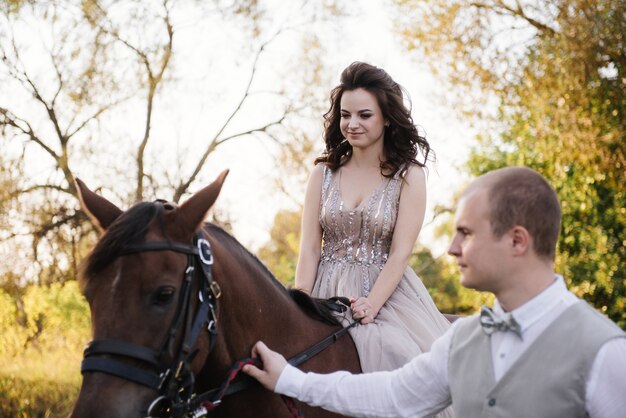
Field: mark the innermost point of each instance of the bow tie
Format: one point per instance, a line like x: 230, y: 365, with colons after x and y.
x: 490, y: 321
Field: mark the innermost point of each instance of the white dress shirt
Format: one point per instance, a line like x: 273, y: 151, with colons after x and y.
x: 420, y: 388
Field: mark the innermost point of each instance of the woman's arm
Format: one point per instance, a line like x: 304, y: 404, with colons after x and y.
x: 311, y: 232
x: 408, y: 225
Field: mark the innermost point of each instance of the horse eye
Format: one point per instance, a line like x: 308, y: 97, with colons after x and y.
x: 164, y: 295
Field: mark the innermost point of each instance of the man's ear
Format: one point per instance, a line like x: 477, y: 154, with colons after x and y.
x: 520, y: 239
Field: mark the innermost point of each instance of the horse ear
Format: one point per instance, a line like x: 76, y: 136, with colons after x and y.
x: 192, y: 212
x: 100, y: 210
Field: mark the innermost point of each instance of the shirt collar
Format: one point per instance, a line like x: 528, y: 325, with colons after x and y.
x: 534, y: 309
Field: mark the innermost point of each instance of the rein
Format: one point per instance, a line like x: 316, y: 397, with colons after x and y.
x: 209, y: 400
x: 174, y: 382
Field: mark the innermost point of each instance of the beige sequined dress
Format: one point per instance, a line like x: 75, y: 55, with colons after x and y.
x: 355, y: 248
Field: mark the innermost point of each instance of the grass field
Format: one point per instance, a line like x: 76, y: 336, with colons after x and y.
x: 39, y: 385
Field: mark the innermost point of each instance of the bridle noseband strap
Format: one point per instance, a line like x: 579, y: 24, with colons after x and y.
x: 122, y: 348
x: 123, y: 370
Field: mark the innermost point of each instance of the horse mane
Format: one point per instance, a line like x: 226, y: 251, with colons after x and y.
x: 129, y: 228
x: 320, y: 309
x: 313, y: 307
x: 234, y: 245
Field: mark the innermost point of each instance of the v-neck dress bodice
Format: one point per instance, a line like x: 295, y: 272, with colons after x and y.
x: 362, y: 235
x: 356, y: 245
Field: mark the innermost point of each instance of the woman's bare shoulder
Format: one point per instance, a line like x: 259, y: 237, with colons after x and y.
x: 318, y: 171
x: 316, y: 176
x: 415, y: 174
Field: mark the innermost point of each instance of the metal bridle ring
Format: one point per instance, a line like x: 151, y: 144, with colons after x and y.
x: 160, y: 408
x: 204, y: 252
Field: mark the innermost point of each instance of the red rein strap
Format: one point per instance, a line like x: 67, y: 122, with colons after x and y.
x: 232, y: 373
x: 292, y: 407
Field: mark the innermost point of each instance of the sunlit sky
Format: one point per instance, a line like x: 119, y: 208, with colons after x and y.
x: 183, y: 116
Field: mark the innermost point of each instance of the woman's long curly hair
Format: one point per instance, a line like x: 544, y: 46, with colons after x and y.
x: 401, y: 141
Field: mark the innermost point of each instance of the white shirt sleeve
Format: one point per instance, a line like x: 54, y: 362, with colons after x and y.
x: 418, y: 389
x: 606, y: 385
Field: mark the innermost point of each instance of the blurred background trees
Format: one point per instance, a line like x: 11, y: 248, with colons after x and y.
x: 88, y: 77
x: 545, y: 82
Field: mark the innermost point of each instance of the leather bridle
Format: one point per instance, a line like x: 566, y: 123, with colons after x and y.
x: 173, y: 382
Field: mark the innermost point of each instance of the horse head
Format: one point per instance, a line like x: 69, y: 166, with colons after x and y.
x: 142, y: 306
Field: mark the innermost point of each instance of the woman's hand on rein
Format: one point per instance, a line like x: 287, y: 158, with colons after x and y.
x: 362, y: 310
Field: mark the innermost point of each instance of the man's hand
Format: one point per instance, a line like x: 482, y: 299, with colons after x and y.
x: 273, y: 365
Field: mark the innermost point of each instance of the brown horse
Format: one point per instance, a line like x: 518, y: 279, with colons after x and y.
x: 170, y: 318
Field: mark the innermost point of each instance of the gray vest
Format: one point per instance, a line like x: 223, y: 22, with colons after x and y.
x: 547, y: 380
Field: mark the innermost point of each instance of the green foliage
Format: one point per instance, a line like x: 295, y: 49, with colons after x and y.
x: 42, y: 335
x: 12, y: 336
x: 280, y: 254
x: 62, y: 313
x: 54, y: 316
x: 566, y: 117
x: 559, y: 85
x: 441, y: 278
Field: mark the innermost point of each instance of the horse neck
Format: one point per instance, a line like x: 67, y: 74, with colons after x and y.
x: 255, y: 307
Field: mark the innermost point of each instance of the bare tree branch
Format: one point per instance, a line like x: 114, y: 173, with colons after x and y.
x: 215, y: 141
x: 503, y: 9
x: 95, y: 115
x: 59, y: 75
x: 27, y: 82
x: 9, y: 119
x: 154, y: 83
x: 154, y: 80
x: 263, y: 128
x: 183, y: 186
x: 38, y: 187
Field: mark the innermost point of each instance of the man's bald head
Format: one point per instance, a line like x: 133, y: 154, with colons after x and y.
x: 521, y: 196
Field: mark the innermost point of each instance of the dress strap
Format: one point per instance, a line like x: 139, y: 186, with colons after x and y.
x: 402, y: 168
x: 397, y: 182
x: 326, y: 176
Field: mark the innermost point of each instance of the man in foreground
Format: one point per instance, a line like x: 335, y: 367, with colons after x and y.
x: 540, y: 352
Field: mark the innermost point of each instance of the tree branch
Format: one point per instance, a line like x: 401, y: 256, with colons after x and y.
x: 95, y: 115
x: 183, y: 186
x: 36, y: 187
x: 215, y: 141
x: 9, y: 119
x: 517, y: 12
x: 154, y: 83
